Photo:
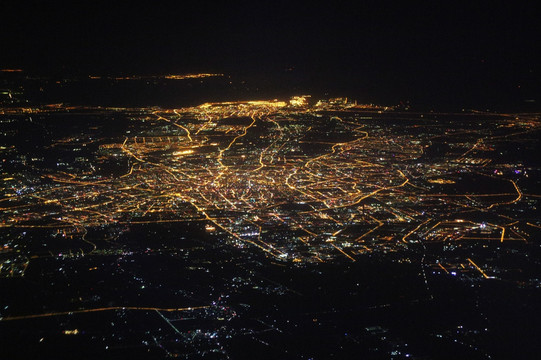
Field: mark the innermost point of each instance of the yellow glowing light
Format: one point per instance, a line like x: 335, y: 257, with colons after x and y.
x: 191, y: 76
x: 183, y: 152
x: 299, y: 100
x: 441, y: 181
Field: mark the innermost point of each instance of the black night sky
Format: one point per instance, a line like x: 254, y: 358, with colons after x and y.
x: 484, y: 53
x: 260, y: 179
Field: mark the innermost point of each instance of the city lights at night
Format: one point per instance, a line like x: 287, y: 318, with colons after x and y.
x: 289, y: 182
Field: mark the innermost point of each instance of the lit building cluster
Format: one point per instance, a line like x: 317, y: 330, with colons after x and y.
x: 301, y: 183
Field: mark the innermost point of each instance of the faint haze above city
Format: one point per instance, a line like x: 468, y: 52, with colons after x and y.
x: 483, y: 54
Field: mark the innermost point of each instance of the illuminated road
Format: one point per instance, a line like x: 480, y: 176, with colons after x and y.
x: 478, y: 269
x: 111, y: 308
x: 299, y: 183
